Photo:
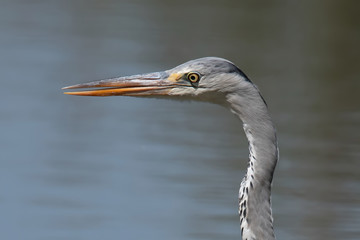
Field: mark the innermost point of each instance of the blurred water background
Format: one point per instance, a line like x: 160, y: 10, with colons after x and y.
x: 128, y: 168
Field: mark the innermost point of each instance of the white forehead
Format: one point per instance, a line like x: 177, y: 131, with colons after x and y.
x: 207, y: 65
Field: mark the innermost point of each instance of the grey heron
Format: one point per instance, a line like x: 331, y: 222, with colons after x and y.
x: 218, y: 81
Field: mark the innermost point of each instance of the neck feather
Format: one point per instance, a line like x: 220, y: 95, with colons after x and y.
x: 256, y: 220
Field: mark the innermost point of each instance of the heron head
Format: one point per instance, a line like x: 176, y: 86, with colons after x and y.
x: 201, y: 79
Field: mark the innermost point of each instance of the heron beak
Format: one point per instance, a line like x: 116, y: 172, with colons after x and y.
x: 158, y: 83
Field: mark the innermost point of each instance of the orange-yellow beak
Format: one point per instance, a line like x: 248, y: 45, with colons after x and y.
x: 158, y: 83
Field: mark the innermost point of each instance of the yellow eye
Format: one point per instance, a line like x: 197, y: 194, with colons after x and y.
x: 193, y: 77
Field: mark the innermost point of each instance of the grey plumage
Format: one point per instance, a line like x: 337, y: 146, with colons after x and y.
x: 219, y: 81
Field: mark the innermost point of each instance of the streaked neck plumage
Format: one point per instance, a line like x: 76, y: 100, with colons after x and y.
x: 256, y: 220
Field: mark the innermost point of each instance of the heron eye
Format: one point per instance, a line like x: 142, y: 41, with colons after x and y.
x: 193, y: 77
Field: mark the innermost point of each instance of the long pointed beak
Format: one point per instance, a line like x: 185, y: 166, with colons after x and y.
x: 158, y: 83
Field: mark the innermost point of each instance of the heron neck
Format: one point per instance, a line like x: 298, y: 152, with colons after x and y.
x: 256, y: 220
